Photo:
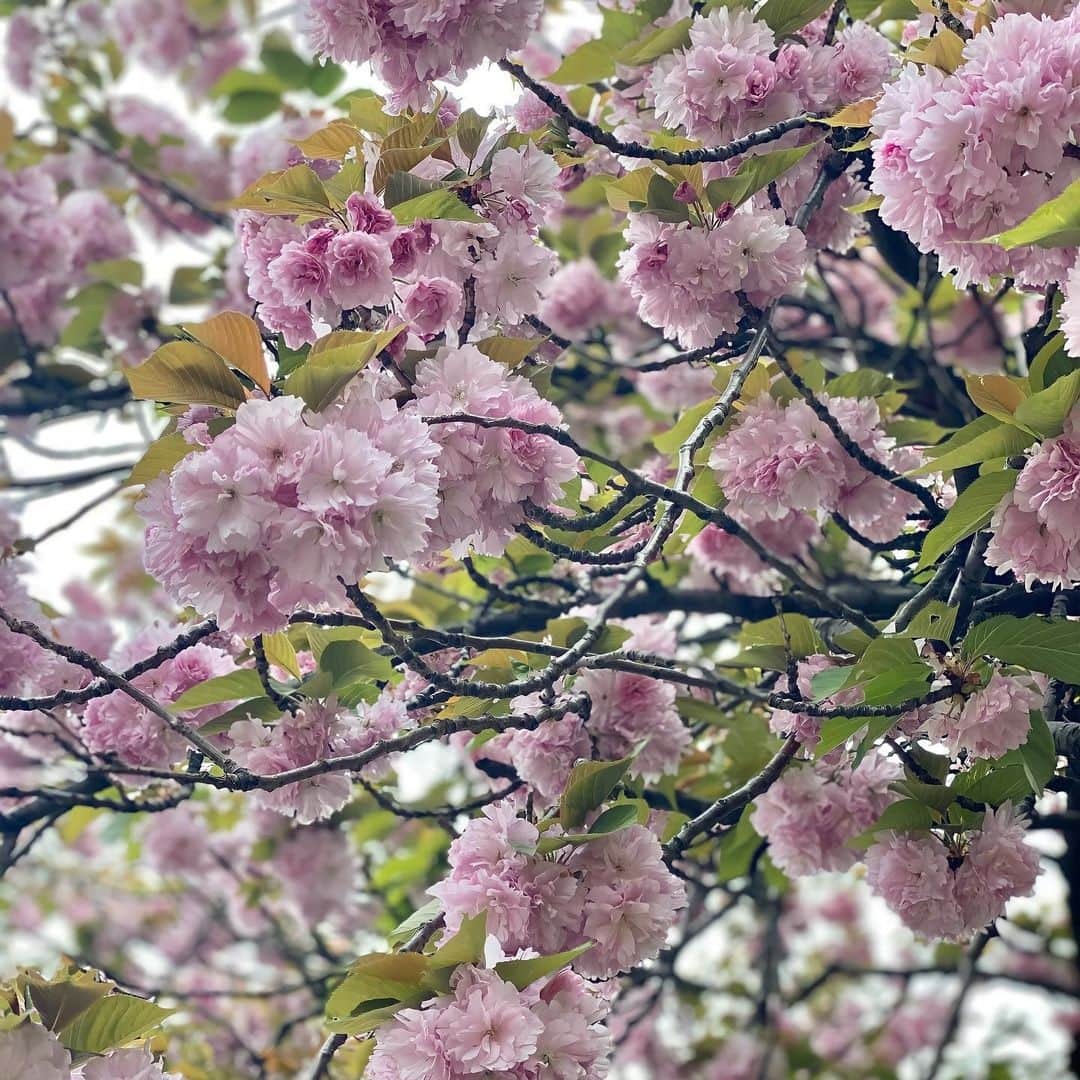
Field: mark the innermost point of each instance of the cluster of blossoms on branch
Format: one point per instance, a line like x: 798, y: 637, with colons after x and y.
x: 285, y: 507
x: 962, y: 157
x: 950, y: 887
x: 411, y: 44
x: 614, y: 891
x: 487, y: 1027
x: 1035, y: 528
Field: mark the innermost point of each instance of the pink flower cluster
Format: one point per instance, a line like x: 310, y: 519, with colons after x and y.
x: 313, y: 734
x: 731, y: 78
x: 578, y: 298
x: 780, y: 458
x: 487, y: 473
x: 281, y: 504
x: 685, y: 279
x: 629, y: 712
x: 486, y: 1027
x: 950, y: 892
x: 1036, y: 525
x: 295, y: 272
x: 811, y: 812
x: 614, y: 891
x: 993, y: 721
x: 168, y: 37
x: 961, y: 157
x: 414, y: 42
x: 49, y: 242
x: 118, y: 725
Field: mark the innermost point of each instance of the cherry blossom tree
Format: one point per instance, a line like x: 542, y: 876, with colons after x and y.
x: 540, y: 542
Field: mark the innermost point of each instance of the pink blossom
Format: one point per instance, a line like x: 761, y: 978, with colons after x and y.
x: 359, y: 270
x: 993, y: 720
x: 1049, y: 484
x: 488, y: 1026
x: 432, y: 304
x: 30, y: 1052
x: 510, y: 280
x: 811, y: 812
x: 298, y: 274
x: 137, y: 1064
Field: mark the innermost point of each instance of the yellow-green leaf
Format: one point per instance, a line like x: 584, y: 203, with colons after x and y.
x: 333, y: 141
x: 112, y: 1022
x: 161, y: 455
x: 186, y: 373
x: 296, y: 190
x: 236, y: 339
x: 509, y: 351
x: 1055, y: 224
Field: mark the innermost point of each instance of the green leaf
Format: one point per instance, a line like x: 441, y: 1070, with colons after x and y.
x: 376, y: 986
x: 280, y: 652
x: 655, y: 43
x: 441, y: 205
x: 349, y: 178
x: 189, y: 285
x: 403, y: 186
x: 348, y: 669
x: 1033, y: 642
x: 1050, y: 363
x: 509, y: 351
x: 333, y: 141
x: 281, y: 61
x: 465, y: 947
x: 320, y: 636
x: 117, y: 271
x: 258, y: 708
x: 235, y: 686
x: 333, y: 362
x: 737, y: 847
x: 186, y: 373
x: 972, y: 510
x: 161, y: 455
x: 62, y: 1000
x: 112, y: 1022
x: 1038, y: 756
x: 325, y: 78
x: 589, y: 784
x: 470, y: 130
x: 251, y: 106
x: 907, y: 815
x: 836, y: 730
x: 239, y: 81
x: 1055, y: 224
x: 523, y: 973
x: 787, y: 16
x: 669, y: 441
x: 764, y: 642
x: 297, y: 190
x: 754, y: 174
x: 661, y: 200
x: 614, y: 818
x: 591, y: 62
x: 935, y: 621
x: 1045, y: 412
x: 408, y: 927
x: 982, y: 440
